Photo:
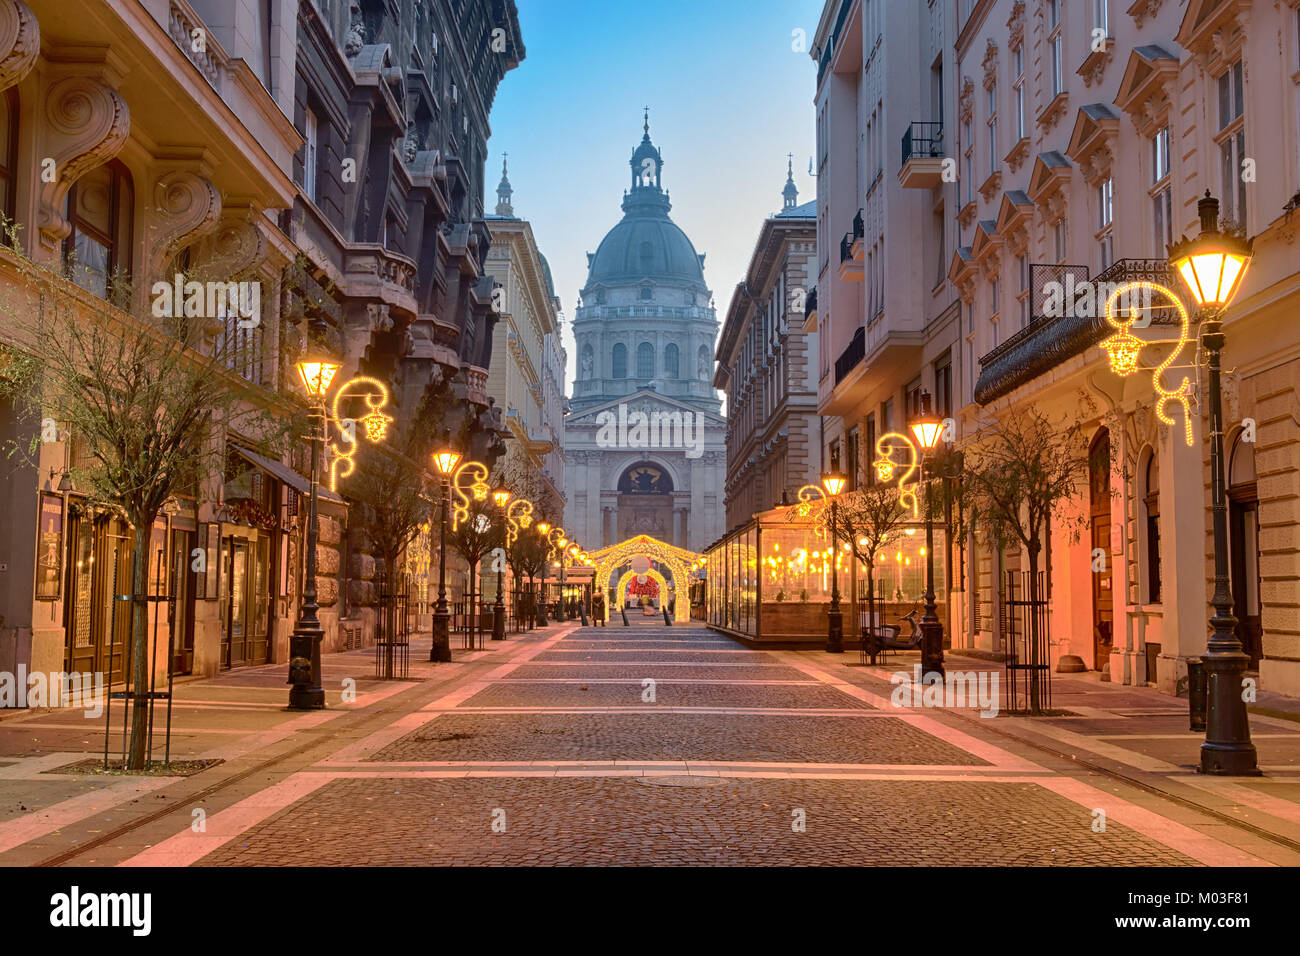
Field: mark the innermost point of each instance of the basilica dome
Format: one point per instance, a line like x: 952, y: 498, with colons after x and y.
x: 646, y: 244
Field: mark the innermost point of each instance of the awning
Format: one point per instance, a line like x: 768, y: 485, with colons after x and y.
x: 286, y: 474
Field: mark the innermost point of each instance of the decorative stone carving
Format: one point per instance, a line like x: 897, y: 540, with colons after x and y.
x: 1231, y: 384
x: 1098, y: 165
x: 966, y: 102
x: 234, y: 247
x: 88, y: 122
x: 20, y: 42
x: 1095, y: 67
x: 1016, y: 25
x: 1143, y: 10
x: 990, y: 65
x: 186, y: 206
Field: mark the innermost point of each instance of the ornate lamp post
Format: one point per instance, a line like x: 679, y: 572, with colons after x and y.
x: 445, y: 461
x: 1213, y: 266
x: 317, y: 370
x: 560, y: 542
x: 834, y: 483
x: 500, y: 498
x: 543, y: 531
x: 927, y: 428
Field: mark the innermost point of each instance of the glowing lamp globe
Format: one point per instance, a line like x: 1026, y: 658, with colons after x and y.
x: 501, y: 497
x: 927, y: 427
x: 543, y: 527
x: 834, y: 482
x: 317, y: 372
x: 1213, y: 264
x: 884, y: 468
x: 446, y: 461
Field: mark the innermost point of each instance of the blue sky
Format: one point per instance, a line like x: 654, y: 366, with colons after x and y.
x: 728, y: 98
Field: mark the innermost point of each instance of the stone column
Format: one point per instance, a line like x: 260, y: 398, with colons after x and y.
x: 1184, y: 542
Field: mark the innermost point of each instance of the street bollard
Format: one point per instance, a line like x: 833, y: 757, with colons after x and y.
x: 667, y: 620
x: 624, y: 611
x: 1197, y: 693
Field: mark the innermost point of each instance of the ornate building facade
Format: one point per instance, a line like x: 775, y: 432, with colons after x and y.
x: 645, y: 439
x: 767, y: 364
x: 331, y: 152
x: 528, y: 314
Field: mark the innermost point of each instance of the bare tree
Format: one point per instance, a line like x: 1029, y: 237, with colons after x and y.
x: 1018, y: 472
x: 477, y: 535
x: 868, y: 521
x: 148, y: 399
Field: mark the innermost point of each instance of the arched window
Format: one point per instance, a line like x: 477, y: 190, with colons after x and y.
x: 672, y: 362
x: 620, y: 361
x: 8, y: 149
x: 1151, y: 508
x: 645, y: 360
x: 99, y: 210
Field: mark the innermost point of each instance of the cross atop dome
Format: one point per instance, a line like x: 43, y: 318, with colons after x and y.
x: 791, y: 192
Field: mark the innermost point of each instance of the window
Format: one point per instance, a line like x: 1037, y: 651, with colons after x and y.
x: 1019, y: 58
x: 99, y: 210
x: 1151, y: 505
x: 887, y: 415
x: 672, y: 362
x: 1101, y: 16
x: 993, y: 298
x: 1057, y: 42
x: 1161, y: 191
x: 851, y: 462
x: 1231, y: 140
x: 1105, y: 220
x: 310, y: 154
x: 943, y: 386
x: 620, y: 361
x: 969, y: 144
x: 835, y: 456
x: 993, y: 129
x: 645, y: 360
x: 647, y: 292
x: 912, y: 398
x: 1059, y: 234
x: 1022, y: 272
x: 871, y: 447
x: 8, y: 150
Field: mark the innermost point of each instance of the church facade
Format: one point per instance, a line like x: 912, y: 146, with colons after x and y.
x: 645, y: 441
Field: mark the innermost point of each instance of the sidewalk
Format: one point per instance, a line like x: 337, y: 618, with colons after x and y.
x: 1142, y: 736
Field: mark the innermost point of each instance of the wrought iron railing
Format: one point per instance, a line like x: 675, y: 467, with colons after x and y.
x: 852, y: 356
x: 923, y: 139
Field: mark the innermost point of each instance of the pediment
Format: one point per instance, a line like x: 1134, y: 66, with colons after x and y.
x: 1015, y: 208
x: 1149, y: 70
x: 1094, y: 124
x: 642, y: 401
x: 1050, y: 170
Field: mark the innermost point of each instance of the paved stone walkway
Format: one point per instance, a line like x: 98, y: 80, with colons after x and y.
x: 643, y: 745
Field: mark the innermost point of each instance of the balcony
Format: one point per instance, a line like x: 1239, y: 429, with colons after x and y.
x: 1055, y: 334
x: 852, y: 356
x: 922, y: 156
x: 851, y: 251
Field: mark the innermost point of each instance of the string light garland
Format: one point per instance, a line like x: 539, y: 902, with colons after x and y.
x: 374, y: 422
x: 1123, y: 348
x: 478, y: 488
x: 886, y: 466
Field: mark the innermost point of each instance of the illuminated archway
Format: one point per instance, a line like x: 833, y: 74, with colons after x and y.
x: 652, y: 574
x: 678, y: 561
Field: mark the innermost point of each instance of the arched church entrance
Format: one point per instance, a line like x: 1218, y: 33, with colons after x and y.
x: 645, y: 502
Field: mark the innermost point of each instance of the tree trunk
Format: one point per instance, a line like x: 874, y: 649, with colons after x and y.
x: 874, y: 638
x: 139, y: 648
x: 1035, y: 658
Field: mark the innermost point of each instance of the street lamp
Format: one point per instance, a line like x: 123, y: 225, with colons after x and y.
x: 500, y: 498
x: 926, y: 429
x: 317, y: 369
x: 834, y: 482
x: 539, y: 614
x: 440, y: 650
x: 1213, y: 266
x: 563, y: 615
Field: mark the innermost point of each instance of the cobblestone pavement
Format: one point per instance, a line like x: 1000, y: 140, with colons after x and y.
x: 615, y: 821
x: 545, y: 750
